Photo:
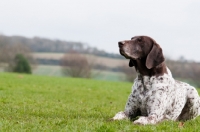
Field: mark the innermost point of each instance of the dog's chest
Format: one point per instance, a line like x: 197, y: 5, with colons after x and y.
x: 148, y: 89
x: 143, y: 92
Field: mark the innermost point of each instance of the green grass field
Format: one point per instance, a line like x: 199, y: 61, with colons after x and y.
x: 41, y: 103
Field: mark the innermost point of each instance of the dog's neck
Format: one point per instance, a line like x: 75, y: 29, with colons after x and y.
x: 155, y: 71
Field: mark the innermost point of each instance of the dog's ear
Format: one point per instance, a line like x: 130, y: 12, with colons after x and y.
x: 132, y: 63
x: 155, y: 57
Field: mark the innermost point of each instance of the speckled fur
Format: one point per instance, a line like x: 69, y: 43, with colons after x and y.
x: 155, y: 95
x: 155, y: 99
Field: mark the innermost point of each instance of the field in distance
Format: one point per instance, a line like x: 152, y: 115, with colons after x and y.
x: 109, y: 62
x: 50, y: 70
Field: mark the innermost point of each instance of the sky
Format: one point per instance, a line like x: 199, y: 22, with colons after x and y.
x: 174, y: 24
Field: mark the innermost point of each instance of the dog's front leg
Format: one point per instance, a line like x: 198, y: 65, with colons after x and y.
x: 130, y: 111
x: 156, y: 107
x: 131, y: 108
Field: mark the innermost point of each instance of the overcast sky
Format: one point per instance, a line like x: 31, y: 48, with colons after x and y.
x: 174, y: 24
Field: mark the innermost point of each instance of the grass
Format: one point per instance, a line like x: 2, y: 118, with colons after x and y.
x: 40, y: 103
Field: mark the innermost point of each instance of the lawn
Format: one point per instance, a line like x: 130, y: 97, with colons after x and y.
x: 41, y: 103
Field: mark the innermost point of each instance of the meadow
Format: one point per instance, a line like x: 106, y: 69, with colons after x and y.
x: 43, y: 103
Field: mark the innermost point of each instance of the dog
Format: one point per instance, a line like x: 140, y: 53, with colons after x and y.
x: 156, y: 95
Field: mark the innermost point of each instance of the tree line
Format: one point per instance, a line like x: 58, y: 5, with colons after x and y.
x: 38, y: 44
x: 16, y: 56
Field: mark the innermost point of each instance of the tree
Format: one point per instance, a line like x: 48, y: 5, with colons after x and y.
x: 21, y: 64
x: 9, y: 51
x: 76, y: 65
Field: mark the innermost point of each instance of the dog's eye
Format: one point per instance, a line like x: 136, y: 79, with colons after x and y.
x: 139, y: 39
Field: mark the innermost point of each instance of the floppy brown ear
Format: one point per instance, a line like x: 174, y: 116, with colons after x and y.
x: 155, y: 57
x: 132, y: 63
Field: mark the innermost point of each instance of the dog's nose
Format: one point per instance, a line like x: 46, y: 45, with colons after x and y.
x: 121, y: 43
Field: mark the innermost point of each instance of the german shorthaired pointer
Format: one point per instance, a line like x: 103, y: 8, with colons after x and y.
x: 155, y: 95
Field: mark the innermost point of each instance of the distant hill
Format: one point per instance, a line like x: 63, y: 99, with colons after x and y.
x: 38, y: 44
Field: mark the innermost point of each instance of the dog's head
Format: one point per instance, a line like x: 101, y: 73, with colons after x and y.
x: 141, y: 47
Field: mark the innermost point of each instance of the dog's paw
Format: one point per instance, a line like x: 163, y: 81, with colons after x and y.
x: 144, y: 121
x: 119, y: 116
x: 141, y: 121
